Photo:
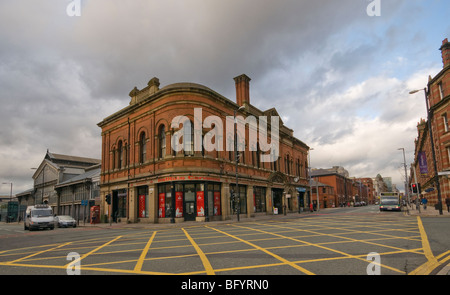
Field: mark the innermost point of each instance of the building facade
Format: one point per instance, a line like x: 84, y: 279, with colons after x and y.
x: 325, y: 195
x: 79, y: 193
x: 437, y: 94
x: 338, y: 178
x: 367, y: 191
x: 54, y: 173
x: 346, y: 191
x: 169, y: 157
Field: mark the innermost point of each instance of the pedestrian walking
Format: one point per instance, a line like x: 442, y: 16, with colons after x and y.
x: 311, y: 208
x: 424, y: 202
x: 447, y: 202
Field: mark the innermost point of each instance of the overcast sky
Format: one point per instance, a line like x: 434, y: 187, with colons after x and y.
x: 337, y: 76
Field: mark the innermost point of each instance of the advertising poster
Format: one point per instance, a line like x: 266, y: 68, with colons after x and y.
x: 141, y: 206
x: 178, y: 204
x: 216, y: 203
x: 422, y: 157
x: 162, y: 203
x: 200, y: 204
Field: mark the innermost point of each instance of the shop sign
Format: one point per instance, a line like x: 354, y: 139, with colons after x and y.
x: 184, y: 178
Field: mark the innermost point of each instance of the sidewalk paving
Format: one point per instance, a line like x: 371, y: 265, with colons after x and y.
x: 430, y: 211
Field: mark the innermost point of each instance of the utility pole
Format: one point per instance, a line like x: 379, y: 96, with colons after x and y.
x: 406, y: 177
x: 236, y: 158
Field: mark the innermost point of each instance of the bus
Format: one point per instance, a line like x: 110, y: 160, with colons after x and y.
x: 390, y: 202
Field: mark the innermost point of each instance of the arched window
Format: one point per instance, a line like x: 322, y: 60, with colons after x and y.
x: 162, y: 141
x: 142, y: 148
x: 258, y: 156
x: 120, y: 154
x: 287, y: 165
x: 188, y: 139
x: 114, y: 161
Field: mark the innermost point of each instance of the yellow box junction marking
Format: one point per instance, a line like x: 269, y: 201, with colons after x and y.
x: 205, y: 261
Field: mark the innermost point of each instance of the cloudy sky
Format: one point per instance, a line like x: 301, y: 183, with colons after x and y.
x: 339, y: 77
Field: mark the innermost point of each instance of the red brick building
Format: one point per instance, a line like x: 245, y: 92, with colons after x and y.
x: 367, y: 192
x: 338, y: 178
x: 151, y: 179
x: 324, y: 193
x: 438, y: 96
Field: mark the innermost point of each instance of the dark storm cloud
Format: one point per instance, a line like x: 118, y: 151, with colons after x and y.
x: 61, y: 75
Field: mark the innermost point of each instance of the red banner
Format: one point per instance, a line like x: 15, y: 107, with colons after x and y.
x: 141, y: 206
x: 179, y: 204
x: 216, y: 203
x: 200, y: 204
x: 162, y: 205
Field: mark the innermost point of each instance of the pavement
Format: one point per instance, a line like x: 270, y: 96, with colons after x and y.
x: 430, y: 211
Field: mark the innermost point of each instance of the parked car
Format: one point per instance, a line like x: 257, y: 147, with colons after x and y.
x: 65, y: 221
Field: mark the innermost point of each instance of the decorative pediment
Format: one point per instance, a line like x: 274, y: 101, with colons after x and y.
x: 277, y: 177
x: 273, y: 112
x: 139, y: 95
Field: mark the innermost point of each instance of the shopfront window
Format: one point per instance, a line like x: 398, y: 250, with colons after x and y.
x: 122, y: 203
x: 164, y: 200
x: 179, y: 200
x: 259, y: 198
x: 191, y: 200
x: 200, y: 198
x: 143, y: 201
x: 214, y: 200
x: 240, y: 199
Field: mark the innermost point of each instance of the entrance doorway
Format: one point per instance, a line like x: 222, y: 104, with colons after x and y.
x: 189, y: 202
x: 277, y: 196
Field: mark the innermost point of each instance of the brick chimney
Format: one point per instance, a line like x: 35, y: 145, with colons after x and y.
x: 445, y: 49
x: 242, y: 89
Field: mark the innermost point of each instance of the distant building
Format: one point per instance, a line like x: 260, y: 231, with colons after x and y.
x: 325, y: 193
x: 79, y: 193
x: 55, y: 169
x: 368, y: 190
x: 338, y: 178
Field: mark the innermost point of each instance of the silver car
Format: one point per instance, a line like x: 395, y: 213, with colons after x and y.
x: 65, y: 221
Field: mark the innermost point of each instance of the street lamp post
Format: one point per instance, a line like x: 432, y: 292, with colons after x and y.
x: 436, y: 177
x: 406, y: 177
x: 236, y: 191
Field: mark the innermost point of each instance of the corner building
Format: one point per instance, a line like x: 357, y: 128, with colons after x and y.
x: 149, y: 181
x: 438, y: 95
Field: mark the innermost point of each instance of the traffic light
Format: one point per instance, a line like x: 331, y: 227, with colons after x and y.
x: 108, y: 199
x: 414, y: 188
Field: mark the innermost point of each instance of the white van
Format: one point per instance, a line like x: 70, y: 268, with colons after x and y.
x: 39, y: 216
